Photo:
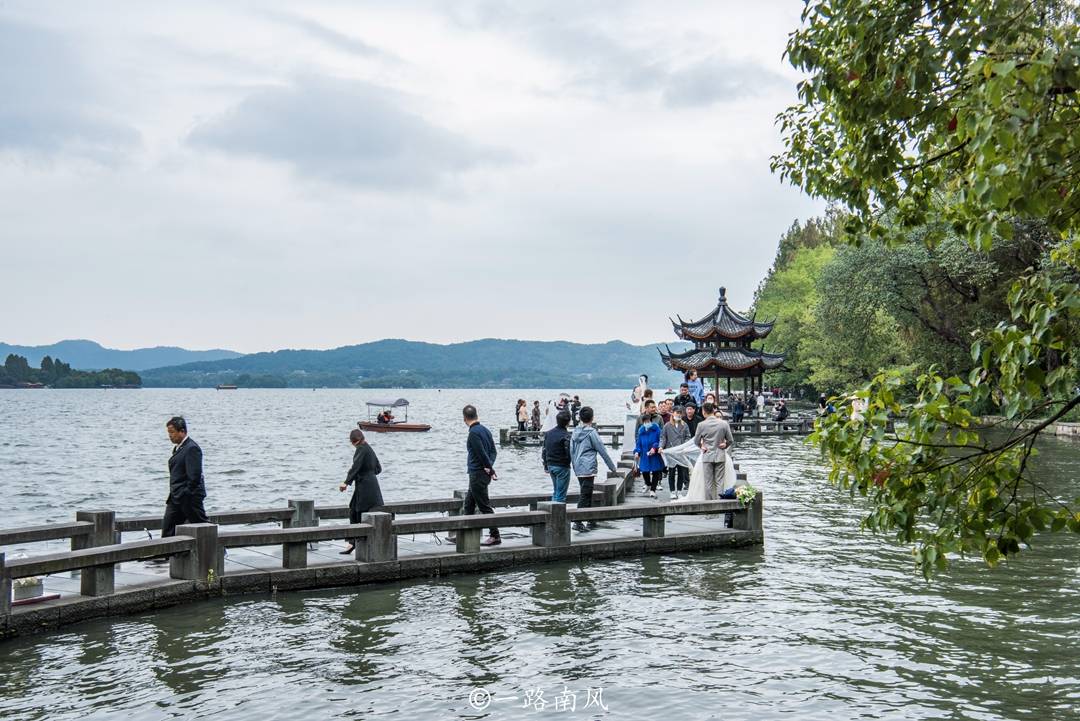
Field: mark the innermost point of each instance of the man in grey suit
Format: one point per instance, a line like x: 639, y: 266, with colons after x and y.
x: 713, y: 437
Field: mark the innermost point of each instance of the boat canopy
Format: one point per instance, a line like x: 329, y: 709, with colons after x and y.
x: 387, y: 403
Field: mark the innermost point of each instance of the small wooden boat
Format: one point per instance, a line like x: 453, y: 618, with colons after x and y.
x: 385, y: 422
x: 226, y: 387
x: 395, y: 427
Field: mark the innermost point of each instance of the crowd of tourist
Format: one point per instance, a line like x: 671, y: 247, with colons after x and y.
x: 532, y: 418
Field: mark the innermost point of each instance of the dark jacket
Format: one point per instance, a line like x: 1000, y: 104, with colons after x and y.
x: 481, y: 449
x: 365, y: 468
x: 556, y: 448
x: 683, y: 400
x: 185, y: 472
x: 692, y: 424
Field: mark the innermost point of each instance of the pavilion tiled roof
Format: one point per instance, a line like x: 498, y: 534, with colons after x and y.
x: 733, y: 359
x: 723, y: 322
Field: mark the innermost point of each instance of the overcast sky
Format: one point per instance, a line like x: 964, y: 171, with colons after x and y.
x: 260, y: 175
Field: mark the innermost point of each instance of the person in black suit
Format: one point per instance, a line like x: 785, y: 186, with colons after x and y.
x: 186, y: 486
x: 365, y: 468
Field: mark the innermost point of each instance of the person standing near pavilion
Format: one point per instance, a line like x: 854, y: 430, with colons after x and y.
x: 585, y: 446
x: 675, y: 433
x: 480, y: 450
x: 556, y: 456
x: 714, y: 438
x: 760, y: 404
x: 363, y: 476
x: 691, y: 418
x: 647, y: 449
x: 738, y: 410
x: 696, y: 388
x: 684, y: 398
x: 187, y: 488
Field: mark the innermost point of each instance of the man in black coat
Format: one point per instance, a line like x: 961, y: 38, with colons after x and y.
x: 364, y: 472
x: 186, y: 486
x: 480, y: 463
x: 684, y: 398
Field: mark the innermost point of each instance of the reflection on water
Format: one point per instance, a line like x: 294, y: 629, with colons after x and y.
x: 823, y: 622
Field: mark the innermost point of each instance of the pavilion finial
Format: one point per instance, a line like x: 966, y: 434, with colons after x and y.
x: 723, y: 294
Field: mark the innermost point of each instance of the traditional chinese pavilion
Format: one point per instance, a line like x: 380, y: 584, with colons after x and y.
x: 722, y: 347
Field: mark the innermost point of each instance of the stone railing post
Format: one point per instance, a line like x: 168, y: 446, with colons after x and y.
x: 99, y: 580
x: 459, y: 495
x: 5, y: 589
x: 101, y: 535
x: 294, y: 554
x: 610, y: 489
x: 556, y: 530
x: 468, y: 540
x: 203, y: 558
x: 303, y: 517
x: 653, y: 526
x: 381, y: 543
x: 752, y: 519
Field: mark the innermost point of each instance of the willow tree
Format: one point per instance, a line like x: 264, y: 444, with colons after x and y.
x: 962, y: 114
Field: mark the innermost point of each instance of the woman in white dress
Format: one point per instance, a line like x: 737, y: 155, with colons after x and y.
x: 634, y: 409
x: 689, y: 456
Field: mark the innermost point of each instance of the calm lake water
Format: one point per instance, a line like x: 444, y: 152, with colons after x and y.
x: 824, y: 621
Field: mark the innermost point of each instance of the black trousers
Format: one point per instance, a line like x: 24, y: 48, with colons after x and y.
x: 186, y: 510
x: 585, y: 498
x: 682, y: 473
x: 477, y: 497
x: 521, y: 425
x: 652, y: 479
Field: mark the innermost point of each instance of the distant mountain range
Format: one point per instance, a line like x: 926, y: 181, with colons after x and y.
x: 88, y: 355
x: 489, y: 363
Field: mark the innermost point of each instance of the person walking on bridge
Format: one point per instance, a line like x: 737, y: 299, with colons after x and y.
x: 585, y: 447
x: 367, y: 495
x: 187, y: 488
x: 480, y: 449
x: 556, y: 456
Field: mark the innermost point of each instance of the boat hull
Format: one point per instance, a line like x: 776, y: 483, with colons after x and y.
x: 395, y: 427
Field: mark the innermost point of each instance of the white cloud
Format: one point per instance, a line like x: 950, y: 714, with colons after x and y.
x: 389, y: 170
x: 50, y: 101
x: 345, y: 131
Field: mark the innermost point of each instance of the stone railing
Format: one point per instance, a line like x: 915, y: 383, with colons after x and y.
x: 197, y: 552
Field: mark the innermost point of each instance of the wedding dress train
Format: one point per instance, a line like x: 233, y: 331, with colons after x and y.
x: 689, y: 456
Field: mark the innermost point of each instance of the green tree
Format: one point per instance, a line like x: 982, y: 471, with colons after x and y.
x: 789, y: 295
x: 967, y: 113
x: 18, y: 369
x: 48, y: 373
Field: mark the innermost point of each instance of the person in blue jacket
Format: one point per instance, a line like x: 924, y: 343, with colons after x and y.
x: 697, y: 388
x: 647, y: 449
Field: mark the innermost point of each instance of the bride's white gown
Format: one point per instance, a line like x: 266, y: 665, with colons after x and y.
x: 689, y: 456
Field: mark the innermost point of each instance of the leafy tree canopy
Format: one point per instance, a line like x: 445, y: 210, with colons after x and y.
x: 962, y: 116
